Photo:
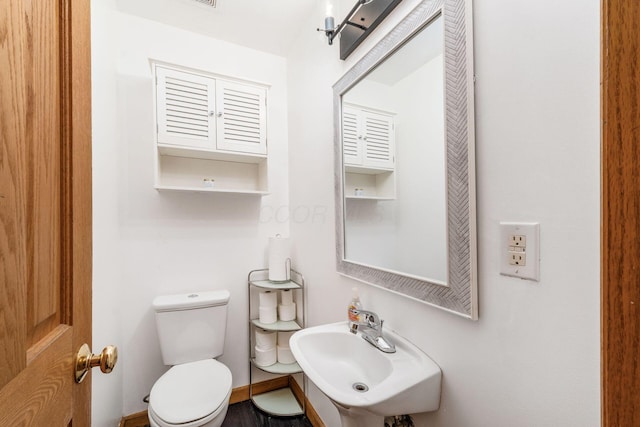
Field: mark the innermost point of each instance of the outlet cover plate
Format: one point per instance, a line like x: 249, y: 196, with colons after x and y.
x: 531, y: 269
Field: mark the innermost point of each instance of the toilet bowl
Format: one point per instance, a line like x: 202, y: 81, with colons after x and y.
x: 193, y: 394
x: 195, y: 391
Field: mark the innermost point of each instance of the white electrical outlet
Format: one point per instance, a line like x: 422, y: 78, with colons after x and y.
x: 518, y: 258
x: 520, y: 250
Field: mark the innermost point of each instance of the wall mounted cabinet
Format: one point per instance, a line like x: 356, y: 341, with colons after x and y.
x: 211, y: 132
x: 368, y: 141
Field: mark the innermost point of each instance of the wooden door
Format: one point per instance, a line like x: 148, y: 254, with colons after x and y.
x: 620, y: 239
x: 45, y: 210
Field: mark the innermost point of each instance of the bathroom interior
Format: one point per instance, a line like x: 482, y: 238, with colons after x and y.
x: 520, y: 350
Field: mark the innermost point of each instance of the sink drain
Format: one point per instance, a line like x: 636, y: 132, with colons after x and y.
x: 360, y: 387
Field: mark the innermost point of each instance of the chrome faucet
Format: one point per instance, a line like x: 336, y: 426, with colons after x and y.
x: 370, y: 326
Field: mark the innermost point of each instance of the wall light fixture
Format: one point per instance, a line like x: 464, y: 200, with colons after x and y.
x: 331, y: 31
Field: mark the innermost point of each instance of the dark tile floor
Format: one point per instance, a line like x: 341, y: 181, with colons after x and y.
x: 244, y: 414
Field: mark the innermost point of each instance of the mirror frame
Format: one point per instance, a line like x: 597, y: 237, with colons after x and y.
x: 459, y: 295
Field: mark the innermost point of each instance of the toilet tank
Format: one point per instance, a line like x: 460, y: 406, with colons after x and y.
x: 191, y: 327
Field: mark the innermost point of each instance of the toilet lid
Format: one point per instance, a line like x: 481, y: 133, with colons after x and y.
x: 190, y: 391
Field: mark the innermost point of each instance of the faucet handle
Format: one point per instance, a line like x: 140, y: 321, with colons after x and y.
x: 373, y: 321
x: 366, y: 318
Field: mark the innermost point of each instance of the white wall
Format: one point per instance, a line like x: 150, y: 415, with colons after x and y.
x: 107, y: 277
x: 149, y: 243
x: 533, y: 356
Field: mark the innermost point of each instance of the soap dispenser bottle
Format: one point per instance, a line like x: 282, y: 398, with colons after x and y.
x: 353, y: 316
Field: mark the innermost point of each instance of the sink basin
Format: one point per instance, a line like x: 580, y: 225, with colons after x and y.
x: 360, y: 379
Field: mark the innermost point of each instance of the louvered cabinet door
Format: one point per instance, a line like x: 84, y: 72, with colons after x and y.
x: 241, y: 118
x: 185, y: 105
x: 352, y: 137
x: 378, y: 140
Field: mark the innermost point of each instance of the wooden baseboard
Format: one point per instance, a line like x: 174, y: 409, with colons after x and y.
x: 135, y: 420
x: 241, y: 394
x: 310, y: 411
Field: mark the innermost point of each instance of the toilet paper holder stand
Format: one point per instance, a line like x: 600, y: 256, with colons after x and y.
x: 258, y: 281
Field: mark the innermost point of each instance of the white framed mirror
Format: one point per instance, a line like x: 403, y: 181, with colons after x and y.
x: 405, y: 164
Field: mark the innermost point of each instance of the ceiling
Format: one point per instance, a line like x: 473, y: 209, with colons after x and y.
x: 270, y: 26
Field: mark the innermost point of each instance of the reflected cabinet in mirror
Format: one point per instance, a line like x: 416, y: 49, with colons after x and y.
x: 404, y: 143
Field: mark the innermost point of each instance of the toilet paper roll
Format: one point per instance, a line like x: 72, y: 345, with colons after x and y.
x: 268, y: 314
x: 268, y: 299
x: 266, y: 357
x: 265, y: 340
x: 287, y: 312
x: 285, y: 355
x: 278, y: 256
x: 283, y: 338
x: 286, y: 297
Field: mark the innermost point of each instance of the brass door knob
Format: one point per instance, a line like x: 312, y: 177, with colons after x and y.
x: 85, y: 360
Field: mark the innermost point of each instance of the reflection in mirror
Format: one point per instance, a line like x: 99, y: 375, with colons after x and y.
x: 405, y: 165
x: 394, y: 162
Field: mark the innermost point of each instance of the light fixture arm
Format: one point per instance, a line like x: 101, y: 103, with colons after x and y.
x: 353, y: 24
x: 332, y: 33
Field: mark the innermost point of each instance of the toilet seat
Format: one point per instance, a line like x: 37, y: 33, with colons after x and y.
x: 191, y: 393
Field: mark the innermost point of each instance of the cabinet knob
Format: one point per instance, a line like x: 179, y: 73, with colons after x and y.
x: 212, y: 113
x: 219, y: 114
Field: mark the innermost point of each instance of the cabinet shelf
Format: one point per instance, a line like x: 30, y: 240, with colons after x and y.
x: 380, y: 186
x: 180, y: 173
x: 209, y: 190
x: 280, y: 402
x: 369, y: 198
x: 268, y: 284
x: 279, y: 368
x: 280, y: 325
x: 365, y: 170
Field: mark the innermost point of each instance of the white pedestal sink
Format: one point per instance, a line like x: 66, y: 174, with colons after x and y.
x: 364, y: 383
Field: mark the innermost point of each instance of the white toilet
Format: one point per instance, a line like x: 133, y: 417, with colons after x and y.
x: 195, y: 391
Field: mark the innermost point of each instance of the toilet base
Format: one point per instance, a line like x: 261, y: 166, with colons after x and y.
x: 214, y: 420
